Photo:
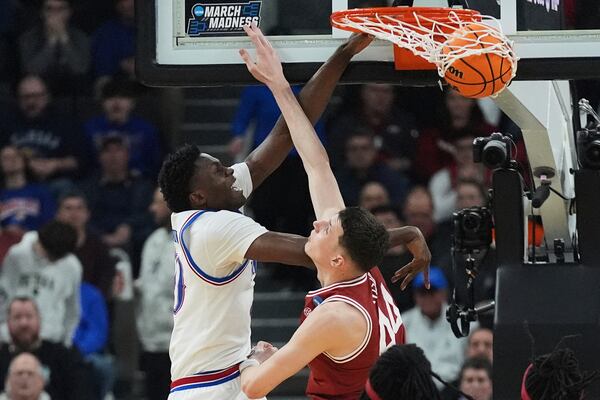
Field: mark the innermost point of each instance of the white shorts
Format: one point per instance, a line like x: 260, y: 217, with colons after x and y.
x: 231, y: 390
x: 216, y: 385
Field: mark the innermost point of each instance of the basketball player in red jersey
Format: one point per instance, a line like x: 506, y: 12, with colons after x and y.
x: 352, y: 319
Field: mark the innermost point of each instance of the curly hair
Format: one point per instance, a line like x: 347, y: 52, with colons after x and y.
x: 175, y: 176
x: 557, y: 376
x: 365, y: 238
x: 403, y: 372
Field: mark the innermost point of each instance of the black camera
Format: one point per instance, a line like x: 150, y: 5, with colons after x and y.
x: 472, y: 229
x: 588, y: 148
x: 494, y: 151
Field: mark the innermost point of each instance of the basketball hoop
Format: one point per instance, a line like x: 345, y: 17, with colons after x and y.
x: 446, y: 39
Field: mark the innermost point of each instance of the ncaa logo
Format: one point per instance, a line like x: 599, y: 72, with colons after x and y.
x: 198, y: 11
x: 306, y: 311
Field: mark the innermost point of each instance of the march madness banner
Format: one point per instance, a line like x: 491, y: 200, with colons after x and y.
x: 220, y: 17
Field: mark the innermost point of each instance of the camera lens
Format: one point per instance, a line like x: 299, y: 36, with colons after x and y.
x: 494, y: 154
x: 471, y: 222
x: 592, y: 154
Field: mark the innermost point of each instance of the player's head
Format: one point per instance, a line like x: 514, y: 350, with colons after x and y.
x: 192, y: 180
x: 556, y: 376
x: 352, y: 238
x: 402, y: 372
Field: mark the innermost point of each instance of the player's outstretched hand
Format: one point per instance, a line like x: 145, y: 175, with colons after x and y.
x: 267, y: 67
x: 263, y: 351
x: 421, y: 259
x: 357, y: 43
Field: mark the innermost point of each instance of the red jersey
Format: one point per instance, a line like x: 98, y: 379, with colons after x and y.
x: 344, y: 378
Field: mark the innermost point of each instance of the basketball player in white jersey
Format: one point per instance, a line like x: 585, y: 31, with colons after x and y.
x: 353, y: 318
x: 214, y: 243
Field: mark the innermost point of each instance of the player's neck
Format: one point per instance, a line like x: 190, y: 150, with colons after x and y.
x: 336, y: 276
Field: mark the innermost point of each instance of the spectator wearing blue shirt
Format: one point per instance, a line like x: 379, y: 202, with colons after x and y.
x: 118, y: 103
x: 24, y: 206
x: 113, y: 44
x: 91, y: 338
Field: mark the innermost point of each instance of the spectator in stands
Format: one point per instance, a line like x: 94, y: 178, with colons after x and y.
x: 395, y: 257
x: 418, y: 211
x: 24, y: 205
x: 476, y: 379
x: 98, y: 266
x: 443, y: 183
x: 91, y: 339
x: 54, y: 144
x: 68, y: 375
x: 481, y: 344
x: 362, y: 166
x: 155, y: 291
x: 459, y: 117
x: 426, y: 326
x: 41, y: 266
x: 25, y: 379
x: 113, y: 45
x: 118, y: 198
x: 374, y: 107
x: 118, y: 103
x: 56, y: 50
x: 373, y: 195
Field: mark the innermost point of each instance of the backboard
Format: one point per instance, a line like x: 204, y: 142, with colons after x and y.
x: 196, y: 42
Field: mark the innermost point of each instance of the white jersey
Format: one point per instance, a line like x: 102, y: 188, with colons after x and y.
x: 214, y: 286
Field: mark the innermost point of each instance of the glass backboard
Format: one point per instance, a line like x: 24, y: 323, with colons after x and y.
x: 196, y: 42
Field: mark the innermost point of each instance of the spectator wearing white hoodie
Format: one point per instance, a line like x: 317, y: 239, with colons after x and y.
x: 43, y: 267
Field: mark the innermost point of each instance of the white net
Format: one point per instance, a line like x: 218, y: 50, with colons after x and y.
x: 441, y: 43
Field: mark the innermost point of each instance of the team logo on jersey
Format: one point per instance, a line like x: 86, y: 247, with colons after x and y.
x: 306, y: 311
x: 222, y: 18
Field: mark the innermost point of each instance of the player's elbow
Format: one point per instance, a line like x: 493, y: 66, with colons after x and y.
x: 252, y: 389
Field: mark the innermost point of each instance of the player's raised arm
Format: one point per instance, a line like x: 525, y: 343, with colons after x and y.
x: 313, y: 98
x: 325, y: 194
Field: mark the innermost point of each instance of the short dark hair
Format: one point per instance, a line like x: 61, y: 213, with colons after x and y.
x: 119, y: 87
x: 58, y: 239
x: 72, y: 194
x: 403, y: 372
x: 175, y: 176
x: 556, y: 376
x: 365, y: 239
x: 476, y: 363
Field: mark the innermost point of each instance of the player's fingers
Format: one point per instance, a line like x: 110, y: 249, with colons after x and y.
x: 402, y: 272
x: 426, y: 277
x: 407, y: 280
x: 253, y: 35
x: 246, y: 57
x: 265, y: 42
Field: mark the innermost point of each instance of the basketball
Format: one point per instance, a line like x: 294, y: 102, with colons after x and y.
x: 477, y: 75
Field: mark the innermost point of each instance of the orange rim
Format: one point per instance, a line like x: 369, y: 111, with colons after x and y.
x: 404, y: 14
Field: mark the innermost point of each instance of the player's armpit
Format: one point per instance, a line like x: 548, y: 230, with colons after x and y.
x: 277, y: 247
x: 329, y: 327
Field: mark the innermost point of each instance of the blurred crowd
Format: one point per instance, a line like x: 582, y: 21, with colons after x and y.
x: 85, y: 243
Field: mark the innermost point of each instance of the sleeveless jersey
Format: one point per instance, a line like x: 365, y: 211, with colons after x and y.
x: 344, y: 378
x: 214, y: 287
